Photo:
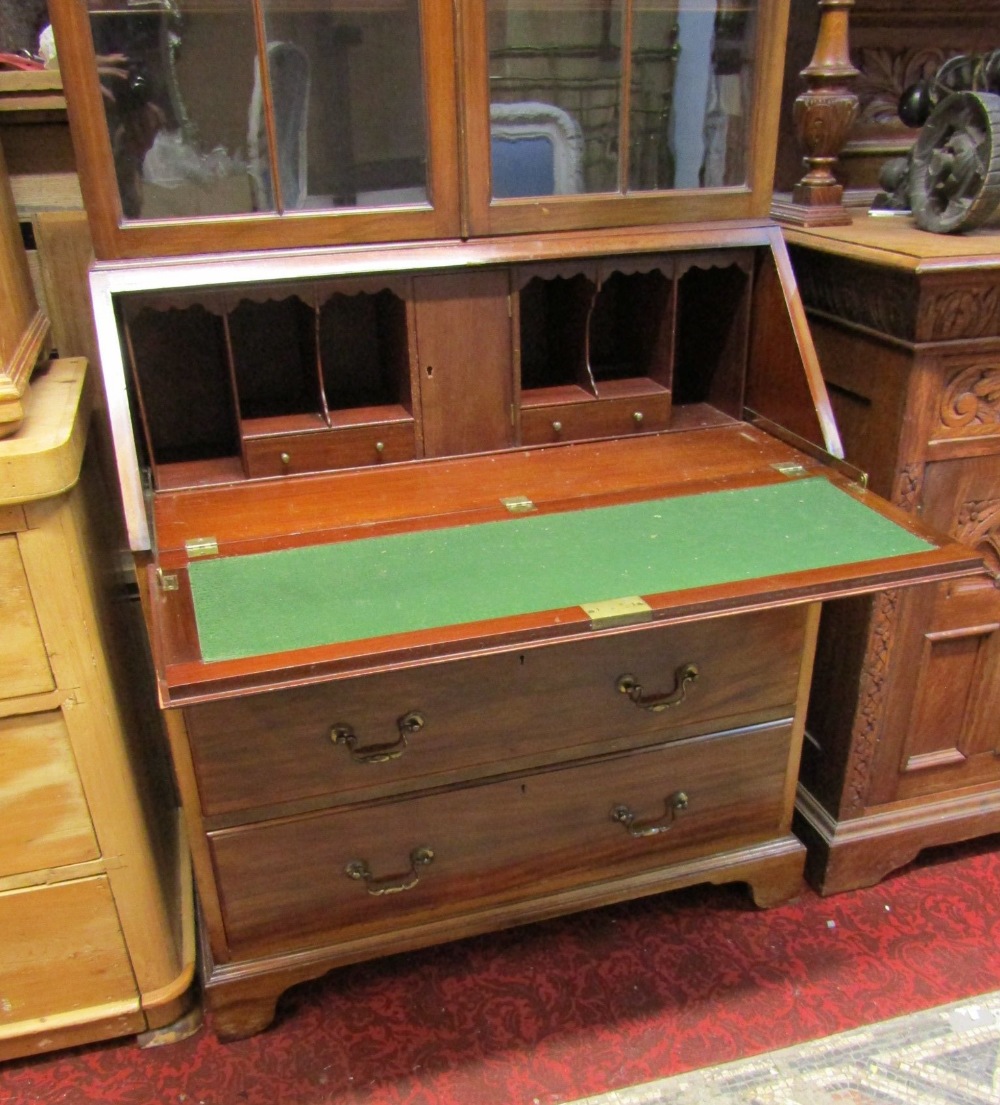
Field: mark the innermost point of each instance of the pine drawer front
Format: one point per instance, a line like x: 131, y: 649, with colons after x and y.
x: 406, y: 729
x: 62, y: 953
x: 362, y: 871
x: 42, y: 805
x: 24, y: 661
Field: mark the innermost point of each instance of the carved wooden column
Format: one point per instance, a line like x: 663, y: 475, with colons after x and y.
x: 24, y: 329
x: 823, y: 115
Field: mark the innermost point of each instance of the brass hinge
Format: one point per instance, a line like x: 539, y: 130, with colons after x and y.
x: 167, y: 580
x: 201, y: 546
x: 790, y: 468
x: 518, y: 504
x: 624, y: 611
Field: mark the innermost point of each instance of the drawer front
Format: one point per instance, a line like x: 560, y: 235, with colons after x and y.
x: 342, y: 447
x: 44, y: 812
x: 411, y: 728
x: 543, y: 425
x: 437, y: 855
x: 24, y: 663
x: 62, y: 952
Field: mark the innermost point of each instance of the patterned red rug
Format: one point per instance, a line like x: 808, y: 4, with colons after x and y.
x: 594, y: 1002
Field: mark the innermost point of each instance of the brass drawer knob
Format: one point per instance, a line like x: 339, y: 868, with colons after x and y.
x: 359, y: 870
x: 684, y: 677
x: 408, y: 724
x: 677, y: 803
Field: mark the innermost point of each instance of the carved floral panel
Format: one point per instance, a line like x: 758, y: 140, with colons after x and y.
x: 970, y: 402
x: 978, y: 525
x: 971, y: 311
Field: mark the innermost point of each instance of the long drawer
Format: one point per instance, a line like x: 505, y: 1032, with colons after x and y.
x: 369, y: 869
x: 412, y: 728
x: 62, y: 953
x: 46, y: 820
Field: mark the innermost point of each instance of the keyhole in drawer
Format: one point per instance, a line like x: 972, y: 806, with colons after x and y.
x: 524, y: 788
x: 430, y: 370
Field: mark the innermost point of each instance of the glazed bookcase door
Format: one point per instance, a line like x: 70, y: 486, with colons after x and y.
x: 588, y: 113
x: 211, y: 125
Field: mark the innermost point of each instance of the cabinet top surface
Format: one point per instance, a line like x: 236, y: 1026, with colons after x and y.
x: 895, y: 242
x: 43, y: 458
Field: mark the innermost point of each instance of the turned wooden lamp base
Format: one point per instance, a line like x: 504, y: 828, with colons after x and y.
x: 784, y: 209
x: 823, y: 115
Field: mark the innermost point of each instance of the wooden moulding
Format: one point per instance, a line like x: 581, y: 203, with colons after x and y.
x: 24, y: 330
x: 858, y: 852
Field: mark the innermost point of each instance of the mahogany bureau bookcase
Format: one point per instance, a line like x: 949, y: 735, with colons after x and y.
x: 476, y: 453
x: 904, y: 727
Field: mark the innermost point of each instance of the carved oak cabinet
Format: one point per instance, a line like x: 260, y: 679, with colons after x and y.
x: 904, y: 735
x: 484, y: 532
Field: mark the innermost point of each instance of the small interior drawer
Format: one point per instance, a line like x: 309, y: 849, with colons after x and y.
x: 408, y: 728
x: 285, y: 454
x: 543, y: 423
x: 368, y: 869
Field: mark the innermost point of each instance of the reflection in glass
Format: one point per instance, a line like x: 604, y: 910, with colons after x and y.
x: 335, y: 119
x: 561, y: 82
x: 655, y: 50
x: 555, y: 91
x: 349, y: 110
x: 175, y: 87
x: 709, y: 128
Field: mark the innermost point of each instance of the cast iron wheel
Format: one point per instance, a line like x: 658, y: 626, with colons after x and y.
x: 954, y: 179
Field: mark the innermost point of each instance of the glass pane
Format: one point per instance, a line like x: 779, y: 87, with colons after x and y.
x: 690, y: 93
x: 348, y: 91
x: 187, y: 106
x: 177, y: 79
x: 555, y: 96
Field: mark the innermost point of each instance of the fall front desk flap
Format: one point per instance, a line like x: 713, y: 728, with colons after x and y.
x: 327, y: 594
